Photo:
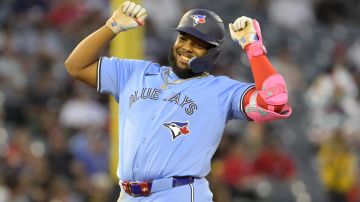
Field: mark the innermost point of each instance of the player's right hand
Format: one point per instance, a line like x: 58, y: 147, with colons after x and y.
x: 128, y: 16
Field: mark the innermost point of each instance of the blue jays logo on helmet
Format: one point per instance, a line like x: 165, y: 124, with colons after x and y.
x: 198, y: 19
x: 178, y: 128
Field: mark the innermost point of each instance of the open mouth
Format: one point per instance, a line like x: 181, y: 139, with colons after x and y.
x: 183, y: 58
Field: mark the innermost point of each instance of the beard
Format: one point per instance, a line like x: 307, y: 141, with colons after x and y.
x: 180, y: 72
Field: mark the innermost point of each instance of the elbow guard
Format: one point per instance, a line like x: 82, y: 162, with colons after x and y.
x: 273, y: 92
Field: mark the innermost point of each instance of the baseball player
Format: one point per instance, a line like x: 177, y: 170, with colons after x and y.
x: 172, y: 117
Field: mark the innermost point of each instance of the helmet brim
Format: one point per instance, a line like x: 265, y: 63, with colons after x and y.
x: 196, y: 33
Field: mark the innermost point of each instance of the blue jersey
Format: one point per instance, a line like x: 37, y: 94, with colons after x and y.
x: 167, y: 132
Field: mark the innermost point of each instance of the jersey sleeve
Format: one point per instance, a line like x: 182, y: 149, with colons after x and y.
x: 231, y: 96
x: 114, y: 73
x: 236, y: 105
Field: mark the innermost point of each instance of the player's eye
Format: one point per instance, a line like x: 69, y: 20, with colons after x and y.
x: 200, y: 46
x: 182, y: 38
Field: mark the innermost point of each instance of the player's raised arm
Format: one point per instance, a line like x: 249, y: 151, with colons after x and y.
x: 269, y: 101
x: 82, y: 62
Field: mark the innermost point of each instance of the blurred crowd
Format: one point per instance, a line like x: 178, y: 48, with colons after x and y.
x: 54, y: 137
x: 54, y: 134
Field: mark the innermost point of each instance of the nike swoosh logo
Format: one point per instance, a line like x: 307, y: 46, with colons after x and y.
x: 150, y: 74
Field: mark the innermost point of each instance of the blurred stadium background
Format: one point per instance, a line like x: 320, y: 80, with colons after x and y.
x: 54, y: 131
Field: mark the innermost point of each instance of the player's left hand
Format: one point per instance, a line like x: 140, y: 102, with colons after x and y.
x: 245, y: 31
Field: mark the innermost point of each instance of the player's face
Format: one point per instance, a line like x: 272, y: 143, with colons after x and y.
x: 187, y: 47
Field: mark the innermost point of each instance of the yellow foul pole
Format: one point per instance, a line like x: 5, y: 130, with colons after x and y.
x: 129, y: 45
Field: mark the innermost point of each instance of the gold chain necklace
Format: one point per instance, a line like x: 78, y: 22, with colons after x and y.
x: 165, y: 75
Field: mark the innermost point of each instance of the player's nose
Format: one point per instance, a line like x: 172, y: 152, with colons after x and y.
x: 187, y: 46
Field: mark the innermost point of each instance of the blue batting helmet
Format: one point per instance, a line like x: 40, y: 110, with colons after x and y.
x: 206, y: 26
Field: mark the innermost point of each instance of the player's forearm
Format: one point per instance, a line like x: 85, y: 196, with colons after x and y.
x: 261, y: 69
x: 88, y: 50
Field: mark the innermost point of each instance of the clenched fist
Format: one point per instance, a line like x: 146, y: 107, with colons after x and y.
x: 246, y: 32
x: 127, y: 16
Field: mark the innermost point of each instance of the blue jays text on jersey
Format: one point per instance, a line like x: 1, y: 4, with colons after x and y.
x: 184, y: 102
x: 170, y: 132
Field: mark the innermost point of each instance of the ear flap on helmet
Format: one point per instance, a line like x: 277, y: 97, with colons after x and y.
x: 206, y: 62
